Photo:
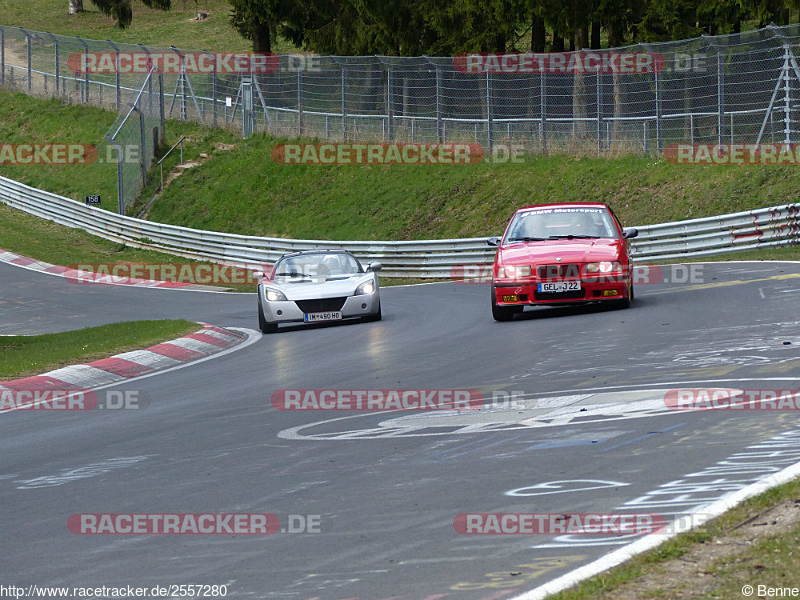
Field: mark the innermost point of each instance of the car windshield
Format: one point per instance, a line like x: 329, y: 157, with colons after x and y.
x: 561, y: 223
x: 328, y: 265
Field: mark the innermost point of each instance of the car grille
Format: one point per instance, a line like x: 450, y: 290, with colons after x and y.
x: 558, y: 271
x: 321, y: 305
x: 573, y: 295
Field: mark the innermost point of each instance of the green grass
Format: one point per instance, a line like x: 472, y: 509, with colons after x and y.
x: 30, y: 355
x: 47, y: 241
x: 27, y: 120
x: 150, y: 27
x: 246, y: 192
x: 770, y: 561
x: 24, y: 119
x: 44, y: 240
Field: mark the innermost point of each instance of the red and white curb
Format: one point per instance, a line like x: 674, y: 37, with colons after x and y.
x: 61, y: 271
x: 201, y: 345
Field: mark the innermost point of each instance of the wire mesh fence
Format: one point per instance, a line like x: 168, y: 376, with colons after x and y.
x: 739, y: 88
x: 136, y: 136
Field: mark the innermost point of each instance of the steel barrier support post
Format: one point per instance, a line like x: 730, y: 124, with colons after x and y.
x: 116, y: 62
x: 120, y: 187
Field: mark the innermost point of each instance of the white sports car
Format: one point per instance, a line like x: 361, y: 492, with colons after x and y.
x: 318, y: 285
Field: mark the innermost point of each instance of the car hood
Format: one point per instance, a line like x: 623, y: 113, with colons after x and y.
x: 319, y: 287
x: 569, y: 251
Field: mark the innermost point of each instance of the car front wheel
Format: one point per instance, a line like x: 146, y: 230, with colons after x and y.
x: 263, y: 324
x: 503, y: 313
x: 376, y: 317
x: 626, y: 303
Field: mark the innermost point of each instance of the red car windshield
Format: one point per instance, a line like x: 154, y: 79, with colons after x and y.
x: 561, y: 223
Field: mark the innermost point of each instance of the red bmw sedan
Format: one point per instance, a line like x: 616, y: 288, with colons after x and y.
x: 567, y: 253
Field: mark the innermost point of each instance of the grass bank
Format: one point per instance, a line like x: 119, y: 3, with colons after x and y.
x: 178, y: 27
x: 237, y: 187
x: 31, y: 355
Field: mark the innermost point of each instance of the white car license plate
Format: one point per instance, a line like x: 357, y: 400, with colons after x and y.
x: 322, y: 316
x: 561, y: 286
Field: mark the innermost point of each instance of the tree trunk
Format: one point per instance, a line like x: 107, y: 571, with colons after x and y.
x: 262, y: 42
x: 616, y: 39
x: 538, y: 34
x: 75, y: 7
x: 594, y: 44
x: 580, y: 41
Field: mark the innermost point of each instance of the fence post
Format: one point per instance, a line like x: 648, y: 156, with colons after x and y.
x: 162, y: 116
x: 789, y: 65
x: 344, y: 102
x: 543, y: 108
x: 659, y: 118
x: 299, y: 103
x: 213, y: 88
x: 247, y: 106
x: 720, y: 95
x: 143, y: 152
x: 659, y: 107
x: 2, y: 55
x: 120, y: 186
x: 182, y: 82
x: 28, y: 44
x: 720, y: 86
x: 85, y: 91
x: 149, y: 80
x: 389, y: 106
x: 599, y: 113
x: 439, y: 121
x: 55, y: 43
x: 489, y: 115
x: 339, y: 61
x: 787, y: 101
x: 116, y: 62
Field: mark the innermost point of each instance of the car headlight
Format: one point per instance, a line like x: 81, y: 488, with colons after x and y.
x: 275, y: 296
x: 367, y: 287
x: 514, y: 272
x: 603, y: 267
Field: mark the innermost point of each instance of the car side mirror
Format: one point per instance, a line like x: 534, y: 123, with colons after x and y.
x: 258, y: 274
x: 376, y: 266
x: 493, y: 241
x: 630, y: 233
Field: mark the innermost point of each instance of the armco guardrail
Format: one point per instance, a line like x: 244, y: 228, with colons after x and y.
x: 768, y: 227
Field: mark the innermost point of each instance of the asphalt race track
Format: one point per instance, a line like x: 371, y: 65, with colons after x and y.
x: 593, y: 435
